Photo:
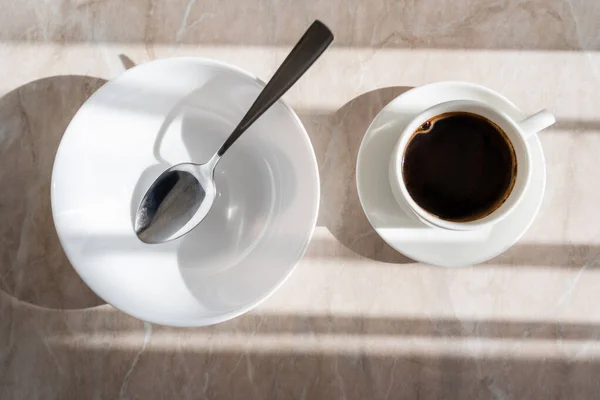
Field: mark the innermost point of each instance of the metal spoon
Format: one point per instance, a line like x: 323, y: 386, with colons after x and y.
x: 182, y: 196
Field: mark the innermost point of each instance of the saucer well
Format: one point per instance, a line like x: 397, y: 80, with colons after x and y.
x: 405, y: 232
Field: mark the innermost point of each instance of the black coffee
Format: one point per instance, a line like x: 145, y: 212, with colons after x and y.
x: 459, y: 167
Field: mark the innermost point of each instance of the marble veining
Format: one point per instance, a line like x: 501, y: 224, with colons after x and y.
x: 356, y: 320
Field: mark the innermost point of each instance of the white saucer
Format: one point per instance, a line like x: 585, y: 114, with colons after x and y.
x: 139, y: 124
x: 405, y: 232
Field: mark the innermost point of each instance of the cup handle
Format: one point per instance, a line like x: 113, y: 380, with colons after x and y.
x: 537, y: 122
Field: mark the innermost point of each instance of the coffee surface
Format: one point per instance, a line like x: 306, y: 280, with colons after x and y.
x: 459, y: 167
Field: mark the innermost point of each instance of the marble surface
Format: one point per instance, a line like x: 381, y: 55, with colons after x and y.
x: 356, y: 320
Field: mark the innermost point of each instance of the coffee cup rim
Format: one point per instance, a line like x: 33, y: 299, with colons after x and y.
x: 514, y: 134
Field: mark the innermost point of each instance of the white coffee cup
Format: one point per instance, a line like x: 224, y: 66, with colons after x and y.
x: 519, y: 134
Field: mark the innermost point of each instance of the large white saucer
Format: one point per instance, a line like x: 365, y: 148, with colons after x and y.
x: 137, y: 125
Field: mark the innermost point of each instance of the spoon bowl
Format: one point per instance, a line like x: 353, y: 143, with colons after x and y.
x: 177, y: 201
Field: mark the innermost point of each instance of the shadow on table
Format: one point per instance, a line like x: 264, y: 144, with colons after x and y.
x: 316, y: 357
x: 186, y: 372
x: 33, y: 266
x: 336, y: 139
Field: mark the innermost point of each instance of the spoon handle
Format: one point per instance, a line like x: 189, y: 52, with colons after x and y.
x: 310, y: 47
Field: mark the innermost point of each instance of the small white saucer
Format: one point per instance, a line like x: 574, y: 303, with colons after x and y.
x: 405, y: 232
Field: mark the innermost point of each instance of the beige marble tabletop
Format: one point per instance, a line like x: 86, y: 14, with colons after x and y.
x: 356, y: 320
